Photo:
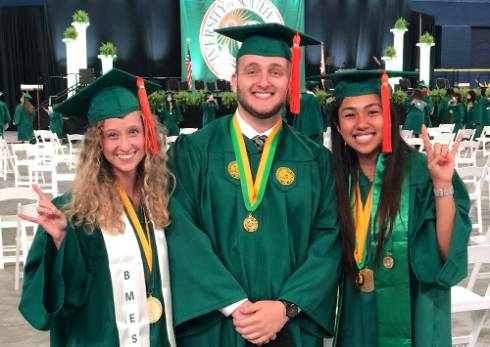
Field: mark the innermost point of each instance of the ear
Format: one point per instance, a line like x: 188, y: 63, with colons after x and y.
x: 234, y: 78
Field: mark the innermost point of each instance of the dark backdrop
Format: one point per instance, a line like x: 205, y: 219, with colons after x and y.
x: 147, y: 36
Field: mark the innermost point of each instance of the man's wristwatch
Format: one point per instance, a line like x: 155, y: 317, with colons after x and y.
x: 292, y: 310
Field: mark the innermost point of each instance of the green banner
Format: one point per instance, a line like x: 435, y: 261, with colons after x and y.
x: 214, y: 57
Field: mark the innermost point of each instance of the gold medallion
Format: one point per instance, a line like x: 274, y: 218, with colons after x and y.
x: 388, y: 262
x: 285, y: 176
x: 155, y: 309
x: 233, y: 170
x: 365, y: 280
x: 250, y: 224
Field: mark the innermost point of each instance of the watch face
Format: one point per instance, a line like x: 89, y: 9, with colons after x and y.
x: 292, y: 311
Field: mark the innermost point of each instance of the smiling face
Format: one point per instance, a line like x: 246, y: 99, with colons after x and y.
x: 261, y: 84
x: 361, y: 124
x: 123, y: 144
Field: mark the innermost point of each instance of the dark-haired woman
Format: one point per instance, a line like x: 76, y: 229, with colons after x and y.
x: 404, y: 223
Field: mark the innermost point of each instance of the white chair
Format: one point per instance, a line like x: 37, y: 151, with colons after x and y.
x: 416, y: 142
x: 443, y: 138
x: 484, y: 139
x: 24, y: 237
x: 9, y: 220
x: 466, y: 300
x: 60, y: 177
x: 187, y: 131
x: 6, y: 159
x: 24, y: 155
x: 75, y: 142
x: 467, y: 152
x: 433, y: 132
x: 406, y: 134
x: 446, y: 128
x: 468, y: 134
x: 474, y: 178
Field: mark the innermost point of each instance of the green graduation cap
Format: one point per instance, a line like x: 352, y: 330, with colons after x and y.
x: 27, y: 96
x: 114, y: 95
x: 422, y: 85
x: 364, y: 82
x: 268, y: 40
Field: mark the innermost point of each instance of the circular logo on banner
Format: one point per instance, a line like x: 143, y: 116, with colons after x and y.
x: 219, y: 51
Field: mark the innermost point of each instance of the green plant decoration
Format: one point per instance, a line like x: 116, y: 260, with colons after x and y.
x: 398, y: 96
x: 229, y: 100
x: 437, y: 94
x: 401, y: 24
x: 183, y: 99
x: 108, y: 49
x: 156, y: 101
x: 197, y: 98
x: 80, y: 16
x: 427, y: 38
x: 390, y: 52
x: 70, y: 33
x: 322, y: 96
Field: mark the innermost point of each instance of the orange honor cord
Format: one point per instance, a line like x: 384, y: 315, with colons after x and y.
x: 294, y: 83
x: 385, y: 104
x: 151, y: 144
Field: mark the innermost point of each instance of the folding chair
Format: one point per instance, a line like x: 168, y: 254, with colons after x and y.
x: 406, y: 134
x: 74, y: 147
x: 416, y: 142
x: 467, y: 153
x: 446, y: 128
x: 9, y: 220
x: 484, y: 139
x: 466, y: 300
x: 474, y: 178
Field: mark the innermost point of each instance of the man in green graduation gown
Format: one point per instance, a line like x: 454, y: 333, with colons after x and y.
x: 261, y: 262
x: 310, y: 120
x: 4, y: 116
x: 24, y: 118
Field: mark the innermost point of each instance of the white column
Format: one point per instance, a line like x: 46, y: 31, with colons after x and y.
x: 390, y: 65
x: 72, y: 53
x: 107, y: 62
x: 398, y: 44
x: 82, y: 42
x: 424, y: 63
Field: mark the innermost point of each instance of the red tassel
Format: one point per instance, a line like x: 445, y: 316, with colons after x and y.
x: 294, y: 87
x: 385, y: 104
x: 151, y: 144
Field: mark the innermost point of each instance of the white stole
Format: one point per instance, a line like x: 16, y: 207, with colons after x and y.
x: 128, y: 285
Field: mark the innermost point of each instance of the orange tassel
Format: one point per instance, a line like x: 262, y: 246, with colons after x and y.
x: 151, y: 144
x: 294, y: 86
x: 385, y: 104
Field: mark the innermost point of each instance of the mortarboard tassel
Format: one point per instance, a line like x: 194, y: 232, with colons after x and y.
x: 151, y: 143
x: 385, y: 104
x: 294, y: 81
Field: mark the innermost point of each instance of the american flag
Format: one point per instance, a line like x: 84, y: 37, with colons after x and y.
x: 188, y: 66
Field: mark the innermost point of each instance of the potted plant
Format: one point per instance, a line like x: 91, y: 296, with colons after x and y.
x: 229, y: 102
x: 390, y: 52
x: 398, y: 97
x: 401, y: 24
x: 70, y: 34
x: 156, y: 101
x: 107, y: 55
x: 80, y: 16
x: 427, y: 39
x: 322, y: 96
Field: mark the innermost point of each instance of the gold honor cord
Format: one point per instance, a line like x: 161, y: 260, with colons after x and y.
x: 145, y: 241
x: 362, y: 215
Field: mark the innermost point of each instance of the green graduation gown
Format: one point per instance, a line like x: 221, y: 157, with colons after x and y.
x: 442, y: 114
x: 430, y: 278
x: 415, y: 118
x: 171, y: 119
x: 456, y: 115
x: 310, y: 119
x: 24, y: 120
x: 214, y: 262
x: 485, y: 110
x: 69, y: 291
x: 4, y: 117
x: 209, y: 110
x: 56, y: 123
x: 473, y: 118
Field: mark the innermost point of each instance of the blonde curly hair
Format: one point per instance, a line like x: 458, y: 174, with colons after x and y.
x: 96, y: 203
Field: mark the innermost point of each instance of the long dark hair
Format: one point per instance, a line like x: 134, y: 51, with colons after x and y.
x: 345, y: 165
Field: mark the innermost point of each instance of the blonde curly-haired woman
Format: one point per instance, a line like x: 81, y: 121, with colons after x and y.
x: 97, y: 273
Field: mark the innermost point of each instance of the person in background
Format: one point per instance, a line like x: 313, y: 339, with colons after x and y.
x: 97, y: 271
x: 404, y: 221
x: 259, y: 263
x: 416, y: 114
x: 442, y: 109
x: 4, y: 116
x: 171, y: 116
x: 209, y: 107
x: 24, y: 118
x: 485, y: 106
x: 473, y: 117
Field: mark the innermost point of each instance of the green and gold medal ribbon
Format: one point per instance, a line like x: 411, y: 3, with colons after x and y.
x: 145, y: 240
x: 362, y: 215
x: 253, y: 192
